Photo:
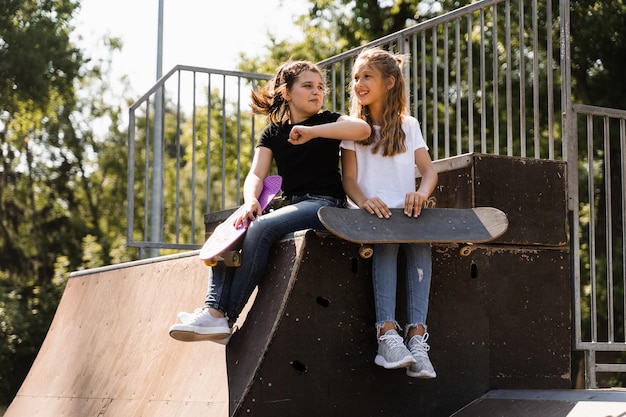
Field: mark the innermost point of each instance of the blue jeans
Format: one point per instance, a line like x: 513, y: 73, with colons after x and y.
x: 230, y: 288
x: 385, y: 278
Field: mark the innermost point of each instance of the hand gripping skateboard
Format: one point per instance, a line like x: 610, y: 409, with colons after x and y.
x: 218, y: 246
x: 434, y: 225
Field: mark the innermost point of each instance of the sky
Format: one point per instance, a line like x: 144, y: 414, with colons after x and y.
x: 204, y: 33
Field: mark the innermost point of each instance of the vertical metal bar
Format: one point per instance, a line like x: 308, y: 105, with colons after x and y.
x: 224, y: 144
x: 566, y: 71
x: 550, y: 80
x: 446, y: 92
x: 238, y: 174
x: 194, y: 135
x: 592, y: 231
x: 590, y: 369
x: 483, y: 93
x: 572, y: 172
x: 458, y: 87
x: 414, y: 70
x: 156, y: 209
x: 343, y: 87
x: 569, y: 148
x: 424, y: 92
x: 522, y: 81
x: 403, y: 47
x: 253, y: 125
x: 435, y: 104
x: 178, y: 162
x: 608, y: 230
x: 146, y: 191
x: 470, y: 83
x: 536, y: 80
x: 495, y: 81
x: 509, y: 88
x: 130, y: 183
x: 333, y: 72
x: 209, y: 182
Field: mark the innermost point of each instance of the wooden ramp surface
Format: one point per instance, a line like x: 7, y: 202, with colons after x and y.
x: 108, y: 352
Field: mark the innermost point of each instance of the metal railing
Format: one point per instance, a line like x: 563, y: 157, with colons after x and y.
x: 598, y: 235
x: 483, y: 78
x: 190, y: 138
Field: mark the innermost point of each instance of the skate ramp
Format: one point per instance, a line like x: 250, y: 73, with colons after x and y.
x: 108, y: 353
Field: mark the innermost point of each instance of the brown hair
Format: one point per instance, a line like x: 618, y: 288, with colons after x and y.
x: 269, y: 99
x: 392, y: 136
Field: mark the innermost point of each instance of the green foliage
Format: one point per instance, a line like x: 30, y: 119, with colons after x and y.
x: 61, y: 183
x: 25, y: 315
x: 38, y: 64
x: 335, y: 26
x: 598, y: 46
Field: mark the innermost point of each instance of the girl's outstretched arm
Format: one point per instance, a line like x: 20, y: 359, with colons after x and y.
x: 345, y: 128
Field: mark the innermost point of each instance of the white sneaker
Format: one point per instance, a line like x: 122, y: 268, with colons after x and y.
x: 392, y: 353
x: 201, y: 325
x: 422, y: 368
x: 184, y: 317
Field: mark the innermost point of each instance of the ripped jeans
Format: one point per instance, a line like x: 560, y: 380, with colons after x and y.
x: 230, y: 288
x: 385, y: 279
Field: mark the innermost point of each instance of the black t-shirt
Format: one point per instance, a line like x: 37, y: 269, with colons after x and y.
x: 311, y: 168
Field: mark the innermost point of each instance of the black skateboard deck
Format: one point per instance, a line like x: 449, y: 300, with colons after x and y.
x: 434, y: 225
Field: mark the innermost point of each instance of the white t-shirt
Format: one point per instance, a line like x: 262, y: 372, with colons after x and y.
x: 388, y: 177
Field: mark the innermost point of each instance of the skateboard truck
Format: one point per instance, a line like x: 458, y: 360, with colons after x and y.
x: 230, y: 258
x: 367, y: 251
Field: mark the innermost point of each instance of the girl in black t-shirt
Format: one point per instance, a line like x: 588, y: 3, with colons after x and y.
x: 305, y: 145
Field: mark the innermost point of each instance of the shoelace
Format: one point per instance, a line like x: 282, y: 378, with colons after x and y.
x: 392, y: 340
x: 198, y: 312
x: 421, y: 347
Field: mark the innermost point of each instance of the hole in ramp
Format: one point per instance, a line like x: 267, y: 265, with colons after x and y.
x: 298, y: 366
x: 324, y: 302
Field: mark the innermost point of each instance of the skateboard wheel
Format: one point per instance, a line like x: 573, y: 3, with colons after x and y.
x: 210, y: 262
x: 466, y: 250
x: 232, y: 259
x: 366, y: 252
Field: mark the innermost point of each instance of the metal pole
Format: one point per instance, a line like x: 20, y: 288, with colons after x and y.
x: 156, y: 212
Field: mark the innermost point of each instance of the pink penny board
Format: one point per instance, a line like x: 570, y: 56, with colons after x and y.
x: 225, y: 234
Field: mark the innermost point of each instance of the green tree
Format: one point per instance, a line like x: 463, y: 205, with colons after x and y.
x: 60, y: 181
x: 38, y: 67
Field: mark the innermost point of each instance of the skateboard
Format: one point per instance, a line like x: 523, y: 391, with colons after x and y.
x: 434, y: 225
x: 221, y: 245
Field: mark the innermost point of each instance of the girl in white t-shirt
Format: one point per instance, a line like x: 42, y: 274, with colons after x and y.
x: 379, y: 174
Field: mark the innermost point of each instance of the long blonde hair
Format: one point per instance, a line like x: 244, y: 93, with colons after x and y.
x: 269, y: 100
x: 392, y: 136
